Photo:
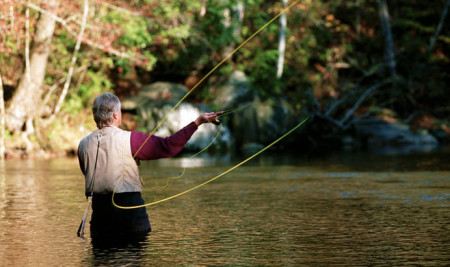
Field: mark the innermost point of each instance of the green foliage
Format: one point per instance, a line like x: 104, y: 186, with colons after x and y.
x: 331, y: 47
x: 216, y: 33
x: 97, y: 83
x: 136, y: 34
x: 263, y: 73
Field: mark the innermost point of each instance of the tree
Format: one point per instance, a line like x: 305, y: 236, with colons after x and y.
x: 43, y: 59
x: 389, y: 43
x: 281, y: 42
x: 27, y: 97
x: 334, y: 51
x: 232, y: 23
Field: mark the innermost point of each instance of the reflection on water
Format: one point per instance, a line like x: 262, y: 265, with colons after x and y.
x: 350, y: 209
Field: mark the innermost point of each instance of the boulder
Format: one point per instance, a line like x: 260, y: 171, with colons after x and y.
x: 262, y: 122
x: 378, y: 132
x: 159, y: 91
x: 154, y: 103
x: 235, y: 90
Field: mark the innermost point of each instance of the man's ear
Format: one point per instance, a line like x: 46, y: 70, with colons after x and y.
x: 115, y: 115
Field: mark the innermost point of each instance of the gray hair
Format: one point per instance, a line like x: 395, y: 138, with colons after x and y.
x: 104, y: 107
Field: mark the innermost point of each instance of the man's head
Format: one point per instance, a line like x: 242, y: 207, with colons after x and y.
x: 106, y: 110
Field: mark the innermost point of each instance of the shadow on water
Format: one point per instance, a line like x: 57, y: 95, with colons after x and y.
x: 377, y: 159
x: 118, y: 250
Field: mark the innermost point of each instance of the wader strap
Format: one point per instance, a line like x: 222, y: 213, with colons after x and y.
x: 80, y: 231
x: 91, y: 186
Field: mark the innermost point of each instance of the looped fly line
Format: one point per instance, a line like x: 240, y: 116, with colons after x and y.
x: 210, y: 180
x: 184, y: 97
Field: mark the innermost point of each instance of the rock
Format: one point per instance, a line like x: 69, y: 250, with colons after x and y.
x: 378, y: 132
x: 441, y: 135
x: 159, y: 91
x: 235, y: 90
x: 153, y: 105
x: 262, y: 122
x: 182, y: 116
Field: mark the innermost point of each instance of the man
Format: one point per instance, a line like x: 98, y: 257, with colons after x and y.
x: 108, y: 159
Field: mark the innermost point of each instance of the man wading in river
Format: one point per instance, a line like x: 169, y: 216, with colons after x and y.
x: 108, y: 158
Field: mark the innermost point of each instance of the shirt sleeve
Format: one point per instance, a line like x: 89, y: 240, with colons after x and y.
x: 155, y: 147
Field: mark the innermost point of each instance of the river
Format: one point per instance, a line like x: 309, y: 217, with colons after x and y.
x: 335, y: 209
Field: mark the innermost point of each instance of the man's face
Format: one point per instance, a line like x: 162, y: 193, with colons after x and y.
x: 119, y: 118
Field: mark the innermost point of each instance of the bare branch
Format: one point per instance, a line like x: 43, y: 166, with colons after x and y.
x: 336, y: 104
x: 84, y: 40
x: 74, y: 59
x: 55, y: 85
x: 342, y: 123
x: 11, y: 13
x: 27, y: 45
x: 356, y: 119
x: 315, y: 101
x: 110, y: 50
x: 359, y: 101
x: 121, y: 9
x: 386, y: 28
x: 282, y: 41
x: 80, y: 81
x: 203, y: 9
x: 330, y: 119
x: 56, y: 18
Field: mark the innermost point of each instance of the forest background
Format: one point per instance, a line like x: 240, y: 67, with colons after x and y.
x: 335, y: 61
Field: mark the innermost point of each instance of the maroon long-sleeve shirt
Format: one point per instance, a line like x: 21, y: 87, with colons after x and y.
x: 161, y: 147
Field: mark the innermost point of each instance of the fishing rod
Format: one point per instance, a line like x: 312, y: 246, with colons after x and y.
x: 210, y: 180
x: 226, y: 112
x: 217, y: 120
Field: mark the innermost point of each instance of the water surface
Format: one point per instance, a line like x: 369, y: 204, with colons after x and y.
x: 343, y: 209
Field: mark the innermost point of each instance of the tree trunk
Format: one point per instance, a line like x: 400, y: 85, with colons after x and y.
x: 27, y: 97
x: 233, y: 20
x: 439, y: 27
x: 386, y: 28
x: 282, y: 42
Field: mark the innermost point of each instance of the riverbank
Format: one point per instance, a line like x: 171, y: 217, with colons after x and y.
x: 374, y: 134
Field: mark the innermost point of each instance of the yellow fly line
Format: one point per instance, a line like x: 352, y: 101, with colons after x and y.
x: 221, y: 113
x: 210, y: 180
x: 211, y: 71
x: 183, y: 98
x: 196, y: 154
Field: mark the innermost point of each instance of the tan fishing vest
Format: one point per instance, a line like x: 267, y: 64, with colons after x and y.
x: 115, y: 163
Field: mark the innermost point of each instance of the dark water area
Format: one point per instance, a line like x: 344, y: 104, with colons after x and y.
x: 321, y: 208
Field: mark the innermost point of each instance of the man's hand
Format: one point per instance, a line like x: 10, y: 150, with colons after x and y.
x: 206, y: 117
